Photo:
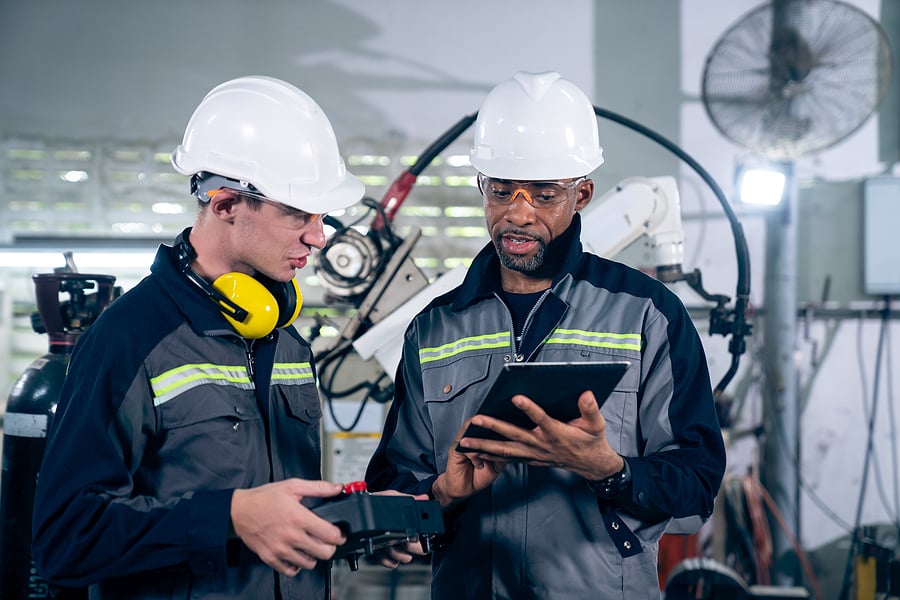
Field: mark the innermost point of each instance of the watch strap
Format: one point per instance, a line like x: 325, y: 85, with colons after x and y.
x: 613, y: 486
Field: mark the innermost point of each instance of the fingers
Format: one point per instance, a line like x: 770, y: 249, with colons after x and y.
x: 284, y: 533
x: 590, y: 411
x: 313, y: 489
x: 401, y: 553
x: 298, y: 561
x: 396, y: 493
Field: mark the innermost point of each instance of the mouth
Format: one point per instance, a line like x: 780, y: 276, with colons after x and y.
x: 517, y: 243
x: 298, y: 263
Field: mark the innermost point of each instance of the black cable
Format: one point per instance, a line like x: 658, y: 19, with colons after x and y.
x: 861, y: 365
x: 855, y: 540
x: 739, y: 327
x: 373, y: 387
x: 388, y: 234
x: 356, y: 419
x: 437, y: 146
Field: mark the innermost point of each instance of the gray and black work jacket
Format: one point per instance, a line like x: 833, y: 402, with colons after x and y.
x: 164, y: 413
x: 541, y: 532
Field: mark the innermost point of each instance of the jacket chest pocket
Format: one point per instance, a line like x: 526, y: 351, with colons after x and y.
x: 452, y: 394
x: 301, y: 403
x: 207, y: 413
x: 221, y: 433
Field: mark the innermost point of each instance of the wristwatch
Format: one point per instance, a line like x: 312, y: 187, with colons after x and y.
x: 613, y: 486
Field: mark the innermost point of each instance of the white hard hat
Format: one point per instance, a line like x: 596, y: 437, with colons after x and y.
x: 536, y: 126
x: 269, y: 134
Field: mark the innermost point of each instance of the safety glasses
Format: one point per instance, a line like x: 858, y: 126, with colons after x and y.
x: 539, y: 194
x: 299, y: 217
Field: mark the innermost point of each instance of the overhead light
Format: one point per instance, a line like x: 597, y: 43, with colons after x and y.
x: 74, y: 176
x: 87, y: 261
x: 761, y: 185
x: 167, y: 208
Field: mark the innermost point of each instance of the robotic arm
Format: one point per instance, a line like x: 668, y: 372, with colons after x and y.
x: 638, y: 207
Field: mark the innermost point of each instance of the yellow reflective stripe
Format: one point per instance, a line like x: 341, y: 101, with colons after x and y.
x: 478, y: 342
x: 292, y: 373
x: 596, y: 339
x: 179, y: 380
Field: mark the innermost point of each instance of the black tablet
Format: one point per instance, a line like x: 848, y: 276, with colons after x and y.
x: 555, y: 387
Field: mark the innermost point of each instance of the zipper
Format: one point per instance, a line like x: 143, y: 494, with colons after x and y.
x: 512, y: 328
x: 251, y: 362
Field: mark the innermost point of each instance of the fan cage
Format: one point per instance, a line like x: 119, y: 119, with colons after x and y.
x: 793, y: 77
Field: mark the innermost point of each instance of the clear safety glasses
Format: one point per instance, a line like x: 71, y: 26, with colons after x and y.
x: 299, y: 217
x: 539, y: 194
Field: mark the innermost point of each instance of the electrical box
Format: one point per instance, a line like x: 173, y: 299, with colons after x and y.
x: 829, y: 243
x: 881, y: 232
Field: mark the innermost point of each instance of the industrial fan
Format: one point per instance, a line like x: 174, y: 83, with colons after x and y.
x: 788, y: 79
x: 793, y: 77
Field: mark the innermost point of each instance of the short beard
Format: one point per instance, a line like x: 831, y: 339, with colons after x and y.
x: 522, y: 264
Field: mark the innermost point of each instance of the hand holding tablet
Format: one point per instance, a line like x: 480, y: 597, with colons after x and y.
x: 555, y: 387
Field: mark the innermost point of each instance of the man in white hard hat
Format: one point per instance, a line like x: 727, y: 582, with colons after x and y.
x: 185, y: 452
x: 564, y: 510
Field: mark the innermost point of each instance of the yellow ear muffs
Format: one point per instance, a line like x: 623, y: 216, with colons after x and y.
x: 289, y: 299
x: 253, y: 297
x: 267, y: 307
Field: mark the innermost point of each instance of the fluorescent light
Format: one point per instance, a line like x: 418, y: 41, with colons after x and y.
x: 74, y: 176
x: 167, y: 208
x: 458, y: 160
x: 86, y: 261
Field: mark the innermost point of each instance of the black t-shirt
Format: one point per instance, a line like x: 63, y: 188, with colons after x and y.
x: 519, y: 306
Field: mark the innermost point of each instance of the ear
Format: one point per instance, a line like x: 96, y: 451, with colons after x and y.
x: 584, y: 194
x: 224, y: 204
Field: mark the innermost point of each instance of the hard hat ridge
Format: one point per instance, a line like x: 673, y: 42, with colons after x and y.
x: 536, y: 85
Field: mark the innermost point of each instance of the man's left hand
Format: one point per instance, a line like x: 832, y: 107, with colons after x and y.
x: 400, y: 553
x: 579, y: 446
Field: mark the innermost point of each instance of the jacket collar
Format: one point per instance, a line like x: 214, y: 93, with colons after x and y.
x: 193, y: 302
x: 483, y: 277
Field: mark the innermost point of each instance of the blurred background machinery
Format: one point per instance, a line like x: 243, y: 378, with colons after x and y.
x: 68, y: 303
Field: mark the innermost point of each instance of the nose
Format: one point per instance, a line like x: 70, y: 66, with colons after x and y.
x: 518, y: 212
x: 313, y: 235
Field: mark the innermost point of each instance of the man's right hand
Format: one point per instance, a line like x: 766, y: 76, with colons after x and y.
x: 465, y: 474
x: 286, y: 535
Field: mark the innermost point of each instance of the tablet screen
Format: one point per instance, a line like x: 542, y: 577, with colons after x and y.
x: 555, y: 387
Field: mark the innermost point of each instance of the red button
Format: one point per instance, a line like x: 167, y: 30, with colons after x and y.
x: 355, y: 486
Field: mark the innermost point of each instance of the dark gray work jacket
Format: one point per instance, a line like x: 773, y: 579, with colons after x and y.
x: 540, y: 532
x: 164, y: 413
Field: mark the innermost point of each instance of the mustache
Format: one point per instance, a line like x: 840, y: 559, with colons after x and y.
x: 516, y: 232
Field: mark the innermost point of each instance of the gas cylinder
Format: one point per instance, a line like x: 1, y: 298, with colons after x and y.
x: 29, y: 412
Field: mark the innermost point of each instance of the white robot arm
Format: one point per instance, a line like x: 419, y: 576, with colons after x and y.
x: 637, y: 207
